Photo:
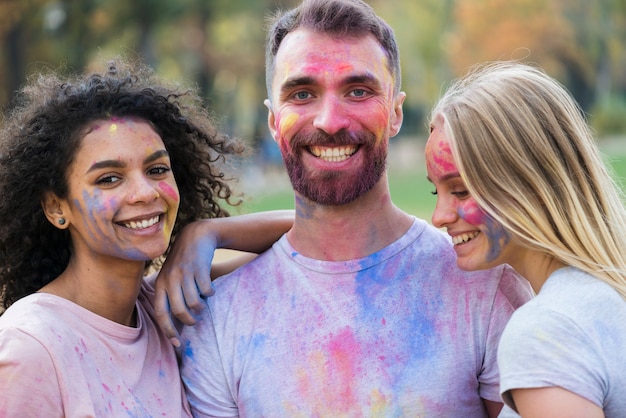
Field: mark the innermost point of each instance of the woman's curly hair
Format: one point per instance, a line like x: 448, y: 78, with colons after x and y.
x: 38, y: 141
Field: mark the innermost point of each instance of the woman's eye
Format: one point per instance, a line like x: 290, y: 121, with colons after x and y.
x: 461, y: 194
x: 108, y: 179
x: 159, y: 170
x: 434, y: 192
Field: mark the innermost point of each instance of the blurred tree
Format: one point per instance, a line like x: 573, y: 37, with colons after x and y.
x: 219, y: 45
x: 573, y: 40
x: 420, y: 28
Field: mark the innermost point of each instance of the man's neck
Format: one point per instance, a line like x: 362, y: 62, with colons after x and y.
x: 350, y: 231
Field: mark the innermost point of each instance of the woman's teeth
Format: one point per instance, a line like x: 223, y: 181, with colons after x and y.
x: 142, y: 224
x: 459, y: 239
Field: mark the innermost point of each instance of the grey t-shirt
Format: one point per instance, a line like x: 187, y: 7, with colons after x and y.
x: 401, y: 332
x: 572, y: 335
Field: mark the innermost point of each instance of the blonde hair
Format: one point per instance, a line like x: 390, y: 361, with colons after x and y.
x: 528, y: 157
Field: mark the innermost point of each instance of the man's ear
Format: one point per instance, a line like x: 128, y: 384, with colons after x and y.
x: 53, y: 208
x: 398, y: 114
x: 271, y: 120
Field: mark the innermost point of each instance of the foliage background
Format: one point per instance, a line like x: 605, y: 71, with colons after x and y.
x: 218, y: 46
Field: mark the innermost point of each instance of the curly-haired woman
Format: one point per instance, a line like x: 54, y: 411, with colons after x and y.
x: 97, y: 175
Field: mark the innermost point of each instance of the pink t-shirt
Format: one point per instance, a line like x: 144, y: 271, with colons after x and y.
x: 59, y: 359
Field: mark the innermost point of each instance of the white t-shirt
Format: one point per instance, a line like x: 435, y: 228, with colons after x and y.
x: 59, y: 359
x: 402, y: 332
x: 572, y: 335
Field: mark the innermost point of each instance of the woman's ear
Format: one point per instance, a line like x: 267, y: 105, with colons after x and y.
x: 53, y: 209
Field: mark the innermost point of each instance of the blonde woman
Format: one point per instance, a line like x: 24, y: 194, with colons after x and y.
x: 519, y: 180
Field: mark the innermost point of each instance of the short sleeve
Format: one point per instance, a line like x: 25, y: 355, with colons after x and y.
x: 543, y: 348
x: 204, y: 373
x: 513, y: 291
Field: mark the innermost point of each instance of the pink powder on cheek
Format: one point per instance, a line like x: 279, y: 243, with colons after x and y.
x: 472, y: 213
x: 169, y: 191
x: 380, y: 121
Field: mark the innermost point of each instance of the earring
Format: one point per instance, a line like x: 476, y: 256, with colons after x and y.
x: 61, y: 221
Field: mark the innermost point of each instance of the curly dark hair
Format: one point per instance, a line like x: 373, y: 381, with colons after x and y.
x: 38, y: 141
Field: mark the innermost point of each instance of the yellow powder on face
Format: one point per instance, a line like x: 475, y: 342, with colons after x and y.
x: 288, y: 123
x: 113, y: 128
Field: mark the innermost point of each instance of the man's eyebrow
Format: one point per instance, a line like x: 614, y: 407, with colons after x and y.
x: 362, y: 79
x: 296, y: 82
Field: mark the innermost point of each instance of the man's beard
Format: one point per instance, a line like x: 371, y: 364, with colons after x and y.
x: 335, y: 187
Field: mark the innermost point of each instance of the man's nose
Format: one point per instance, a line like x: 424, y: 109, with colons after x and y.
x: 331, y: 116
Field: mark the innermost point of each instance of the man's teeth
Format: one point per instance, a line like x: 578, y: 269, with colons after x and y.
x: 459, y: 239
x: 334, y: 154
x: 142, y: 224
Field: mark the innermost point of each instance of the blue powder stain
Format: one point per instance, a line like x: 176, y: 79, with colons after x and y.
x: 383, y: 298
x: 188, y: 351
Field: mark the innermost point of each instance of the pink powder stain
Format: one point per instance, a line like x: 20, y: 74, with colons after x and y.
x: 343, y: 354
x: 336, y: 365
x: 440, y: 159
x: 381, y: 120
x: 321, y: 65
x: 169, y: 191
x: 472, y: 213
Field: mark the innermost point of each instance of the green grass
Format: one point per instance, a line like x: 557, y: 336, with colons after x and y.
x: 409, y: 188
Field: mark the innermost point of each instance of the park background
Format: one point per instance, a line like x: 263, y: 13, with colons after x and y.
x: 218, y: 47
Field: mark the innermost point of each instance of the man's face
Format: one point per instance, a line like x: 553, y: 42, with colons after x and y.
x: 332, y: 112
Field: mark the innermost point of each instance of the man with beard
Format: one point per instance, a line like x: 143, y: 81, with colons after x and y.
x: 359, y: 310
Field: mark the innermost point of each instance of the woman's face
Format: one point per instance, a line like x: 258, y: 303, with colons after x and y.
x: 123, y: 199
x: 479, y: 241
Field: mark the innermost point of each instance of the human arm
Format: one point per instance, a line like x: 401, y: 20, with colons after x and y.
x: 187, y: 272
x: 551, y: 348
x: 493, y: 408
x: 553, y: 402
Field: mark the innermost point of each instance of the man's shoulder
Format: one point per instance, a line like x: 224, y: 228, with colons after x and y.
x: 257, y: 270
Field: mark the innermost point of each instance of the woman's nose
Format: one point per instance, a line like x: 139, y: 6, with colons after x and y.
x: 445, y: 213
x: 143, y: 191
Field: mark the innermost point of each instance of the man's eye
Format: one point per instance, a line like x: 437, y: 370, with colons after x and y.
x: 302, y: 95
x: 358, y: 92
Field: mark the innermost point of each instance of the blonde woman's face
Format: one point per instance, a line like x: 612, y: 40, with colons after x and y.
x: 479, y: 241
